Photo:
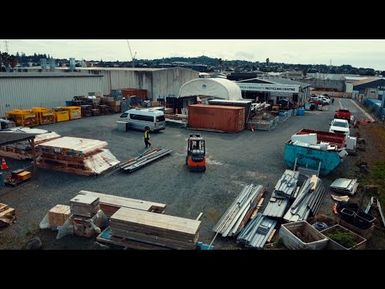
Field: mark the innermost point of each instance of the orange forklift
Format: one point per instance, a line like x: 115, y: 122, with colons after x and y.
x: 196, y: 153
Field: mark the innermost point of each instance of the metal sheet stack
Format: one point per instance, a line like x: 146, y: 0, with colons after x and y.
x: 257, y: 232
x: 344, y: 186
x: 240, y: 211
x: 83, y: 209
x: 284, y: 190
x: 143, y: 228
x: 76, y: 155
x: 307, y: 201
x: 143, y: 160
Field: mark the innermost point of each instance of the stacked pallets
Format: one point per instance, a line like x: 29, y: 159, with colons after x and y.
x: 76, y: 155
x: 83, y: 210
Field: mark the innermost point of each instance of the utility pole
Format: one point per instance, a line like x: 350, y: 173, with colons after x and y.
x: 132, y: 56
x: 6, y: 46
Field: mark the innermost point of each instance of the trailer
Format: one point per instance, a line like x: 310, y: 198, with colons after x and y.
x: 315, y: 152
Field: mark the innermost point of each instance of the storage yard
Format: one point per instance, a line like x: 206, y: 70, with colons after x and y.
x: 234, y: 160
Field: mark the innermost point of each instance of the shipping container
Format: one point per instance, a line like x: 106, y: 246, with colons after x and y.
x: 127, y: 92
x: 216, y: 117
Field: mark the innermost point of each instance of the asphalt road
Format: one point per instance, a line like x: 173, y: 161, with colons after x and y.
x: 234, y: 160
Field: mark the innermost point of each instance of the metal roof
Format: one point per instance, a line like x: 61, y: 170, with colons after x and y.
x: 8, y: 137
x: 45, y: 74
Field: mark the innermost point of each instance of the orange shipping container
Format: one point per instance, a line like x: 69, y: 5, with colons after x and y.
x: 216, y: 117
x: 127, y: 92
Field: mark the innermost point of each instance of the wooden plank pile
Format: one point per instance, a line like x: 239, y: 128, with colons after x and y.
x: 58, y: 215
x: 83, y: 210
x: 76, y: 155
x: 109, y: 204
x: 240, y: 211
x: 7, y: 215
x: 143, y: 160
x: 23, y: 150
x: 145, y: 230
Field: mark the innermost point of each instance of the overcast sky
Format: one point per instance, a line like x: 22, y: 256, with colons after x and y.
x: 359, y: 53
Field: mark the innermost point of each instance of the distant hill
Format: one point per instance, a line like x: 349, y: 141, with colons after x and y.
x: 201, y: 63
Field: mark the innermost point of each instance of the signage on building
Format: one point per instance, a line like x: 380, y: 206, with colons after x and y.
x: 267, y: 87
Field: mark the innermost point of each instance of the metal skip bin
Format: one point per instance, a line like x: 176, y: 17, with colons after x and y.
x: 323, y: 156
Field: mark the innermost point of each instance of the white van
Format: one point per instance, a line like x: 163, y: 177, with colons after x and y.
x: 140, y: 118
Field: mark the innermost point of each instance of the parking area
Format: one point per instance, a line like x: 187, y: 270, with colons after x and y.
x: 234, y: 160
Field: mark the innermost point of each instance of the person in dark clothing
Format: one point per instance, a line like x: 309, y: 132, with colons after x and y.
x: 332, y: 100
x: 147, y: 137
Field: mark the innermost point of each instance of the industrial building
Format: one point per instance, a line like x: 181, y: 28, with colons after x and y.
x: 273, y: 89
x: 369, y: 88
x: 53, y: 88
x: 48, y: 89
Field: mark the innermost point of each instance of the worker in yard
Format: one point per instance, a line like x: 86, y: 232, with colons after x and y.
x: 333, y: 100
x: 147, y: 136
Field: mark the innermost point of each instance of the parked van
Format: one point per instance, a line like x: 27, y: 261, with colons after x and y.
x: 140, y: 118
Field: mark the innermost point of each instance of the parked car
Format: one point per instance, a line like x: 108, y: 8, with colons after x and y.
x: 344, y: 114
x: 340, y: 126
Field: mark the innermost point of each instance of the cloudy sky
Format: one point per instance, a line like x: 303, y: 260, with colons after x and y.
x: 359, y: 53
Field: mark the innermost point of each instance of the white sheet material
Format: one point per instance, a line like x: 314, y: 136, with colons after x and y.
x: 101, y: 162
x: 81, y: 145
x: 310, y: 138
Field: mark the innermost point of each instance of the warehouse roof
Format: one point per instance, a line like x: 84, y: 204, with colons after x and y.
x: 215, y: 87
x: 45, y: 74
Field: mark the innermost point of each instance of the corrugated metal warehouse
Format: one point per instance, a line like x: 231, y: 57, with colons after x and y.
x: 159, y: 82
x: 49, y: 89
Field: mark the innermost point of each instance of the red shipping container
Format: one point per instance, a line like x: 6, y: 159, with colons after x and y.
x: 216, y: 117
x: 127, y: 92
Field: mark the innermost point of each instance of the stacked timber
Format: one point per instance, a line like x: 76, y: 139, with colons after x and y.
x: 76, y: 155
x: 109, y: 204
x: 83, y: 205
x: 147, y: 229
x: 58, y: 215
x: 23, y: 150
x: 144, y: 159
x: 7, y: 215
x: 240, y: 211
x: 83, y: 210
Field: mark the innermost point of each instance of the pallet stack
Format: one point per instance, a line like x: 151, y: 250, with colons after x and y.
x: 83, y: 210
x: 76, y: 155
x: 146, y: 230
x: 7, y: 215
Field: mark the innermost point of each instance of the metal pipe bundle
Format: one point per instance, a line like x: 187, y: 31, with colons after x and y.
x: 139, y: 162
x: 236, y: 216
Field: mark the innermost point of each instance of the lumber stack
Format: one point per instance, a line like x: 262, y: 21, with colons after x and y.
x: 158, y: 230
x: 240, y: 211
x: 85, y: 206
x: 7, y: 215
x: 109, y: 204
x: 83, y: 210
x: 23, y: 150
x: 58, y: 215
x: 144, y: 159
x: 76, y: 155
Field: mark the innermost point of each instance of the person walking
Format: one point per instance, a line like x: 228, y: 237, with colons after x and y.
x: 147, y: 137
x: 332, y: 100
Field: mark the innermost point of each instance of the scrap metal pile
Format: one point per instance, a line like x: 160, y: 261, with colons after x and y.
x: 240, y: 211
x: 344, y: 186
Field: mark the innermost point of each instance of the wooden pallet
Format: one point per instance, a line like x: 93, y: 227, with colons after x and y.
x: 7, y: 214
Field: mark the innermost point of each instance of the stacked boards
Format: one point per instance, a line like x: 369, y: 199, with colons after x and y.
x: 151, y: 229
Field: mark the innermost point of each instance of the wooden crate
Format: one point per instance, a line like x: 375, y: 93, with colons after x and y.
x: 58, y: 215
